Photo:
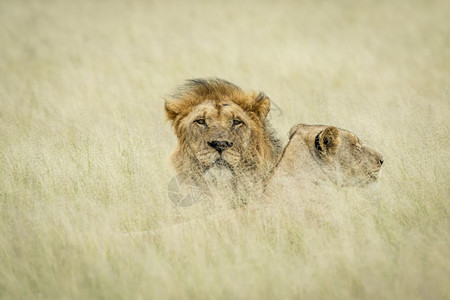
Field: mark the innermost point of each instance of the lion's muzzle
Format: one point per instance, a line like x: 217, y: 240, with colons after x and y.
x: 220, y: 146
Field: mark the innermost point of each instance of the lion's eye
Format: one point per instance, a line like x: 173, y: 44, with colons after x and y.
x: 237, y: 122
x: 200, y: 121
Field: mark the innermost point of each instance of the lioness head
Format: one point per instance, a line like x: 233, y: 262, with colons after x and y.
x: 318, y: 153
x: 222, y: 132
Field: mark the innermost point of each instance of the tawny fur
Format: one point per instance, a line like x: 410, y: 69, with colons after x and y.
x: 316, y: 154
x: 205, y: 110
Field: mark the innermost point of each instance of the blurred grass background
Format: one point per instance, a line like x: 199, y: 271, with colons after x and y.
x: 84, y: 148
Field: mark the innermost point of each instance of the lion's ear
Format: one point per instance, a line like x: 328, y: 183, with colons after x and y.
x: 172, y: 109
x: 327, y: 141
x: 262, y: 106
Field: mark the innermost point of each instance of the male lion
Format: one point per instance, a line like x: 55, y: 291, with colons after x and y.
x: 224, y: 138
x: 317, y: 154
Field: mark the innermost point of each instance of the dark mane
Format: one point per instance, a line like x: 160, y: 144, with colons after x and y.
x: 203, y: 87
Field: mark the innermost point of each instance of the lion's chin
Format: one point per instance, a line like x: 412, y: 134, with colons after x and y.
x: 219, y: 175
x: 221, y: 163
x: 217, y: 161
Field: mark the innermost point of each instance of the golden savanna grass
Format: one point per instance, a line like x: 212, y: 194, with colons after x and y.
x: 84, y: 149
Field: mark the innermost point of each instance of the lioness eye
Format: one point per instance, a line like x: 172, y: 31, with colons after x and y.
x: 237, y: 122
x: 358, y: 147
x: 200, y: 121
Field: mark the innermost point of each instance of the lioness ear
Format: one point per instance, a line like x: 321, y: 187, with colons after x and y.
x: 327, y: 140
x: 172, y: 109
x: 261, y: 106
x: 293, y: 130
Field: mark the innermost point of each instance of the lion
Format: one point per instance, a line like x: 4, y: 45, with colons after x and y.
x: 317, y: 154
x: 224, y: 136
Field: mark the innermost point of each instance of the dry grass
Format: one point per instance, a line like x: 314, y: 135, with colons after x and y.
x: 84, y: 148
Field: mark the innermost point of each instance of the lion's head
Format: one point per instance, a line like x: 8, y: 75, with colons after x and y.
x: 222, y: 132
x: 325, y: 153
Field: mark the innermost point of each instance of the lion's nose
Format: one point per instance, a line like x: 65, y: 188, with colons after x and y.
x: 381, y: 161
x: 220, y: 145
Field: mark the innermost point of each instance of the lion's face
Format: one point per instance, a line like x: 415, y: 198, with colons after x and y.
x: 341, y: 155
x: 218, y: 133
x: 221, y: 131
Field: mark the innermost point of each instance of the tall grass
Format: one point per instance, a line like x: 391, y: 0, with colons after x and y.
x: 84, y: 149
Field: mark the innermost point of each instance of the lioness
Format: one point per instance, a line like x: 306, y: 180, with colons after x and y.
x: 224, y: 138
x: 317, y: 154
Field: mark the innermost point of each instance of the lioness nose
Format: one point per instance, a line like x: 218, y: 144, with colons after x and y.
x: 381, y: 161
x: 220, y: 145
